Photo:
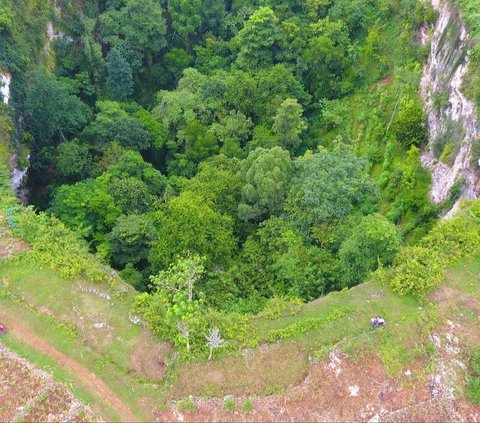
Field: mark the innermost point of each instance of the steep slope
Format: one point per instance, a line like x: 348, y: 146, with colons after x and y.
x: 452, y: 118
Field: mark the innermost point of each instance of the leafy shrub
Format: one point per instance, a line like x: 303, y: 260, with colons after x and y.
x: 419, y: 269
x: 306, y: 325
x: 410, y: 125
x: 54, y: 245
x: 280, y: 307
x: 417, y: 272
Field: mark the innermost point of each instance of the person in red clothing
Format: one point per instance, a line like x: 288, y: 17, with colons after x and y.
x: 2, y: 329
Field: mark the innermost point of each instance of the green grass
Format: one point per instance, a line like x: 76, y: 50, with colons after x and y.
x: 65, y: 317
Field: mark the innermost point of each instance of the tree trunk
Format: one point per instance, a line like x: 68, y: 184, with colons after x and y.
x: 211, y: 353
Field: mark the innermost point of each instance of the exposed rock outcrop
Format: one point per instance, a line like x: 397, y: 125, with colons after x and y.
x: 451, y: 116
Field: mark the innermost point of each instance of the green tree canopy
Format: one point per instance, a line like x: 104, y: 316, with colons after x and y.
x: 189, y: 224
x: 289, y: 124
x: 119, y: 82
x: 373, y: 242
x: 330, y: 185
x: 129, y: 241
x: 51, y: 109
x: 265, y: 175
x: 257, y: 38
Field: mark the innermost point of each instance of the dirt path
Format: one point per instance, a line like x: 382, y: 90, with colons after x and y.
x: 90, y: 380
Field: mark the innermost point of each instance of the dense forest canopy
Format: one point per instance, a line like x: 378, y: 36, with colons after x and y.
x: 219, y: 153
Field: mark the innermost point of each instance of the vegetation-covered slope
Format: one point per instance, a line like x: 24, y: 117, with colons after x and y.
x: 232, y: 161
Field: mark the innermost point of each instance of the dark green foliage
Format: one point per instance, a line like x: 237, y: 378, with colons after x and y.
x: 130, y: 133
x: 129, y: 241
x: 73, y: 160
x: 52, y: 110
x: 119, y: 81
x: 330, y: 186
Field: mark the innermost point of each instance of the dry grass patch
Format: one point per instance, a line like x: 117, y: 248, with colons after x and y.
x: 262, y: 371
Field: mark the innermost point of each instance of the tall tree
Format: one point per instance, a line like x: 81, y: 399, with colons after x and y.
x: 265, y: 175
x: 189, y: 224
x: 257, y: 39
x: 119, y: 82
x: 51, y: 109
x: 289, y: 124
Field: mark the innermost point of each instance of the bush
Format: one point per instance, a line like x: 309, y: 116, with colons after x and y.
x: 419, y: 269
x: 186, y: 404
x: 247, y: 406
x: 410, y: 125
x: 303, y: 326
x: 280, y: 307
x: 54, y: 245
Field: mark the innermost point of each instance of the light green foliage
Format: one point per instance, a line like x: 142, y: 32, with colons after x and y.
x: 289, y: 124
x: 157, y: 131
x: 186, y: 404
x: 325, y: 60
x: 410, y: 125
x: 247, y: 406
x: 419, y: 269
x: 281, y: 306
x: 189, y: 224
x: 262, y: 136
x: 130, y: 164
x: 303, y: 326
x: 6, y: 15
x: 329, y: 185
x: 257, y: 38
x: 86, y: 207
x: 218, y: 183
x: 233, y: 131
x: 230, y: 404
x: 265, y: 175
x: 373, y: 243
x: 200, y: 143
x: 56, y: 246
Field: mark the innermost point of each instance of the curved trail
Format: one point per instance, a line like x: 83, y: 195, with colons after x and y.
x: 90, y: 380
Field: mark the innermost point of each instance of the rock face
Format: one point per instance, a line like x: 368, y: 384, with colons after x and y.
x: 5, y: 79
x: 452, y: 118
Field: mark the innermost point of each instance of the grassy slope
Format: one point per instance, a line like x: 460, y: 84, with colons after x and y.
x: 64, y: 314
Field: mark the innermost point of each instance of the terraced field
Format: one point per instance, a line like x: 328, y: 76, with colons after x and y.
x: 30, y: 394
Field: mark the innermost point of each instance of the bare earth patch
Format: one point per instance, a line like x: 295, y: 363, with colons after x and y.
x: 148, y: 358
x: 9, y: 245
